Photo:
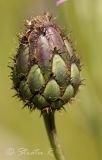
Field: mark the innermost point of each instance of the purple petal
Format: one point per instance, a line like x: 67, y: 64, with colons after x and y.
x: 58, y: 2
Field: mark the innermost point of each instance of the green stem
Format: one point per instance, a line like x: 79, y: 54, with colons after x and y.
x: 52, y: 135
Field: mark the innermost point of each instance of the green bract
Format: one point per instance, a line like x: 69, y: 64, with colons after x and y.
x: 46, y: 71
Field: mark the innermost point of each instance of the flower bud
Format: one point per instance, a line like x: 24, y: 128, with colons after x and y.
x: 46, y: 70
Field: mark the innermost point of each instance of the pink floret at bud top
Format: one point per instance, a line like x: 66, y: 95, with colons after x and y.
x: 58, y: 2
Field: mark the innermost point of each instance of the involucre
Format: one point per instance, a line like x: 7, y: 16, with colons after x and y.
x: 46, y: 70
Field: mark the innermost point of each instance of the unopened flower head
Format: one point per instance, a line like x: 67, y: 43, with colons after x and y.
x: 46, y: 70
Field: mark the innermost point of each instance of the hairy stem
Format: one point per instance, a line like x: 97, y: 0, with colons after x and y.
x: 52, y: 135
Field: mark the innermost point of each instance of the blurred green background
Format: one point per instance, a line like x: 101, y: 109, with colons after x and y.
x: 80, y: 128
